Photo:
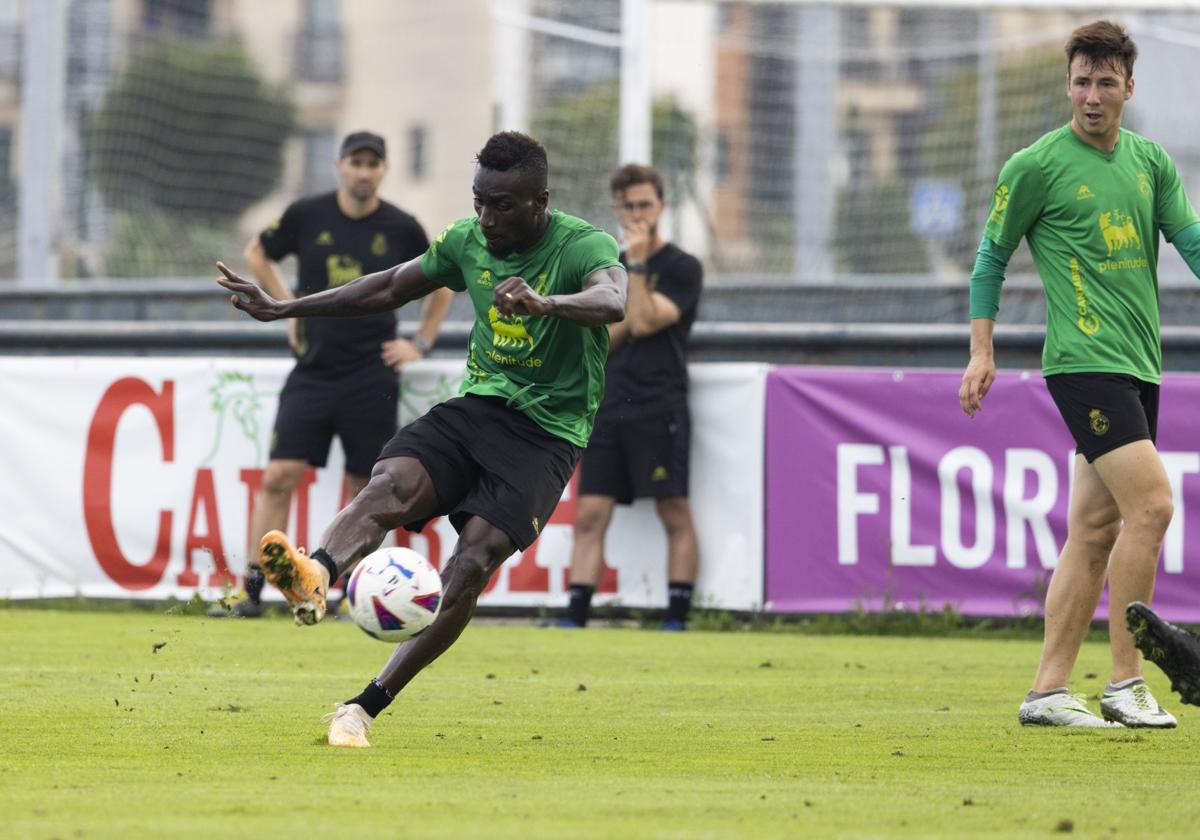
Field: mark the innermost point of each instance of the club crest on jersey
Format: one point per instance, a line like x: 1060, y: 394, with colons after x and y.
x: 1098, y: 422
x: 379, y: 245
x: 1144, y: 185
x: 1119, y: 232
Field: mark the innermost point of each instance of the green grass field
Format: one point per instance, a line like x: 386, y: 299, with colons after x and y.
x: 521, y: 732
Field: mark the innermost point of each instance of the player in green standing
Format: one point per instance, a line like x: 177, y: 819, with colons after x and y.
x: 496, y: 459
x: 1091, y: 199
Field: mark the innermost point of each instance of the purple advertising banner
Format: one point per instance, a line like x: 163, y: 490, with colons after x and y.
x: 882, y: 494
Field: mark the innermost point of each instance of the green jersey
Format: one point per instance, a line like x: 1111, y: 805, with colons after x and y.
x: 550, y: 369
x: 1092, y: 221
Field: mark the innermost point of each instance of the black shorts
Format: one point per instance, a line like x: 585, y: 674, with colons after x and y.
x: 638, y: 459
x: 1105, y: 411
x: 359, y: 409
x: 490, y: 461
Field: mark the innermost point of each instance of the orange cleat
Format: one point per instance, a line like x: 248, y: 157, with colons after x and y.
x: 302, y: 580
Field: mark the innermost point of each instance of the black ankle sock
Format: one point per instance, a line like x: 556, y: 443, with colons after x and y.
x: 374, y: 698
x: 679, y: 601
x: 322, y: 557
x: 254, y: 584
x: 580, y: 605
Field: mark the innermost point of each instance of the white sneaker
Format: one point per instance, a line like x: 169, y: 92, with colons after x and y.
x: 349, y: 725
x: 1061, y: 709
x: 1135, y: 706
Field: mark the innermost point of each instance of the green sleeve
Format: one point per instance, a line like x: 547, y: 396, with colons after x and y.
x: 1174, y: 210
x: 1018, y: 200
x: 587, y: 253
x: 990, y: 262
x: 1187, y: 243
x: 441, y: 262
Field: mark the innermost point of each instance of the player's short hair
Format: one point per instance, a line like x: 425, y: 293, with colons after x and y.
x: 1102, y: 43
x: 632, y: 174
x: 512, y: 150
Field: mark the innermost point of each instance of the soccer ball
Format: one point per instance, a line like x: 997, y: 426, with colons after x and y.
x: 394, y: 594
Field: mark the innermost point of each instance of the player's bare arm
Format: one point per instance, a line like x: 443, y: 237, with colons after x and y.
x: 266, y: 271
x: 981, y: 369
x: 600, y: 301
x: 646, y: 311
x: 378, y: 292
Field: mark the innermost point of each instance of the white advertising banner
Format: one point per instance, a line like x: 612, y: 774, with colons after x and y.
x: 135, y: 477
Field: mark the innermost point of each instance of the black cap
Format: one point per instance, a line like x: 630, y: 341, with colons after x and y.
x: 358, y: 140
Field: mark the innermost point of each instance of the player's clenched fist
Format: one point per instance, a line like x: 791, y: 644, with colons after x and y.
x: 513, y: 296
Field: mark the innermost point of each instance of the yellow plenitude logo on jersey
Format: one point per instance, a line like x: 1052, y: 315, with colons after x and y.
x: 379, y: 244
x: 1120, y: 235
x: 1098, y: 422
x: 999, y: 204
x: 509, y: 333
x: 1088, y: 323
x: 341, y: 269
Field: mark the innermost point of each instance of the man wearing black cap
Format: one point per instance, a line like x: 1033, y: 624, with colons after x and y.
x: 346, y: 377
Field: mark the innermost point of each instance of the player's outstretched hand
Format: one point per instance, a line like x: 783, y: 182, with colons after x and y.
x: 247, y: 296
x: 514, y: 297
x: 976, y: 382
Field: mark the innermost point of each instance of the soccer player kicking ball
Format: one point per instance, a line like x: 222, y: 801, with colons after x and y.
x: 1091, y: 199
x: 496, y: 459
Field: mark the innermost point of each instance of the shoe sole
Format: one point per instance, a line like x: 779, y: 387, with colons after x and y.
x: 1160, y: 642
x: 1136, y: 724
x: 275, y: 555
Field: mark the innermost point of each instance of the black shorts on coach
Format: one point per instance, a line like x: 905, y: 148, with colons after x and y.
x: 1105, y: 411
x: 640, y: 458
x: 490, y: 461
x: 359, y: 408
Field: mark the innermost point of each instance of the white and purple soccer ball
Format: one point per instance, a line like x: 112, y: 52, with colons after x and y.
x: 394, y: 593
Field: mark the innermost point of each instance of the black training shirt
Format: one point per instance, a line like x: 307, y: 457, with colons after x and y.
x: 333, y: 249
x: 648, y: 376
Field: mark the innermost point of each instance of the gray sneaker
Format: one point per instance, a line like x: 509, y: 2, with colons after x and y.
x: 1061, y: 709
x: 1135, y: 706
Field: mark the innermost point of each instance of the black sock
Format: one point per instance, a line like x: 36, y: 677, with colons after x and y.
x: 679, y: 601
x: 580, y: 605
x: 374, y: 698
x: 254, y: 584
x: 322, y: 557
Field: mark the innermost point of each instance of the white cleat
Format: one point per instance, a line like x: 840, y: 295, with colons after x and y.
x: 1062, y: 709
x: 1135, y: 706
x: 349, y: 725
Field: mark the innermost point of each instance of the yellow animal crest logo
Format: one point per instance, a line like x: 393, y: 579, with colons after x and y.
x: 1084, y: 192
x: 1099, y: 422
x: 324, y: 238
x: 508, y: 333
x: 1119, y: 231
x: 341, y: 269
x: 379, y: 245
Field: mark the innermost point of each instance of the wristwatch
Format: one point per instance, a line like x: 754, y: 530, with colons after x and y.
x: 637, y: 268
x: 421, y: 344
